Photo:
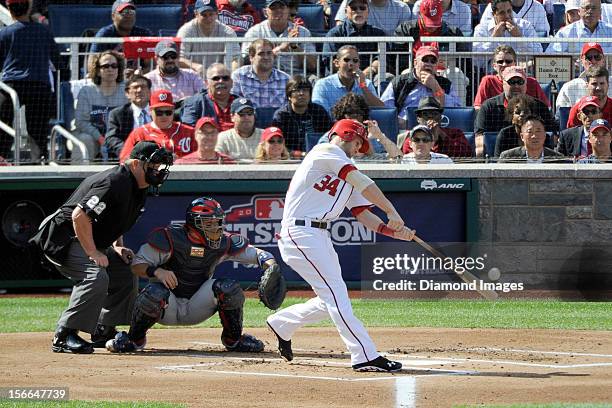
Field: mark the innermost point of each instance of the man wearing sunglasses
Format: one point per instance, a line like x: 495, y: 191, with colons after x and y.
x: 84, y: 240
x: 163, y: 130
x: 597, y: 85
x: 241, y: 141
x: 504, y: 56
x: 575, y: 140
x: 592, y: 55
x: 182, y: 83
x: 421, y: 142
x: 491, y: 117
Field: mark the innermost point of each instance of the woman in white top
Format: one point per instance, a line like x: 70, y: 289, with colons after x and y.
x: 421, y: 142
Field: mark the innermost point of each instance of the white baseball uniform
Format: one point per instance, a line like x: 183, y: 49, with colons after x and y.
x: 318, y: 192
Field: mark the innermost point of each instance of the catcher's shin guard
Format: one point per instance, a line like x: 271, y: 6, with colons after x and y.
x: 230, y: 301
x: 148, y: 308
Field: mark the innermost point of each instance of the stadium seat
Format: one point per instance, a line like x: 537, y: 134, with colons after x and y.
x: 558, y: 17
x: 314, y: 18
x: 470, y: 138
x: 69, y: 20
x: 461, y: 118
x: 387, y: 121
x: 563, y: 117
x: 489, y: 143
x: 263, y: 117
x: 334, y: 10
x: 312, y: 139
x: 66, y: 105
x: 546, y: 89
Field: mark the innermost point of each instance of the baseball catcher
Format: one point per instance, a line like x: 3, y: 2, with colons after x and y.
x: 182, y: 259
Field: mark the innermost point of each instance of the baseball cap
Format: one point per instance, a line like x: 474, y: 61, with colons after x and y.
x: 429, y: 103
x: 349, y: 2
x: 514, y: 71
x: 427, y: 50
x: 241, y: 104
x: 591, y: 46
x: 165, y: 46
x: 120, y: 5
x: 588, y: 101
x: 271, y: 2
x: 431, y: 12
x: 204, y: 5
x: 161, y: 98
x: 348, y: 129
x: 599, y: 124
x: 422, y: 128
x: 270, y: 132
x: 206, y: 120
x: 572, y: 5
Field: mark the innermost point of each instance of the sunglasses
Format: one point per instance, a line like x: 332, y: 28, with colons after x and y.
x: 169, y: 56
x: 220, y: 78
x: 421, y: 139
x: 506, y: 61
x: 114, y: 65
x: 127, y: 12
x: 516, y: 81
x: 164, y: 112
x: 594, y: 57
x: 589, y: 112
x: 276, y: 140
x: 353, y: 60
x: 359, y: 8
x: 430, y: 60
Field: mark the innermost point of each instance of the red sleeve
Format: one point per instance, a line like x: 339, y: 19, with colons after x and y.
x: 130, y: 142
x: 406, y: 146
x: 359, y: 209
x: 480, y: 94
x: 344, y: 171
x: 572, y: 119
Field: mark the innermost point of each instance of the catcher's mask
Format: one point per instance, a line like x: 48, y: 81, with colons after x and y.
x: 348, y: 130
x: 206, y: 216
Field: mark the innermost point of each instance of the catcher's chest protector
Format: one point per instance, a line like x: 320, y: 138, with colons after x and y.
x: 193, y: 264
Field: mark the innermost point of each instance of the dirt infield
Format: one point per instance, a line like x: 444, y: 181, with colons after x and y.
x: 441, y: 367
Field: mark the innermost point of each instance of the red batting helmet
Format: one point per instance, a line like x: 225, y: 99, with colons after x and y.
x: 348, y: 129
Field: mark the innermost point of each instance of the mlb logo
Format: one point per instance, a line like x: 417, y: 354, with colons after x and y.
x: 269, y: 208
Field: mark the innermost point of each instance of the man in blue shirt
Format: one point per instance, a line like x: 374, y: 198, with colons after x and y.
x: 26, y: 50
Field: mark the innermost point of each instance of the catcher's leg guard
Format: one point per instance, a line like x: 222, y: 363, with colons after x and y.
x: 230, y: 300
x: 148, y: 308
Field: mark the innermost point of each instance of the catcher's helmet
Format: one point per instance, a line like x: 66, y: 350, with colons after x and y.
x: 349, y: 129
x: 206, y: 215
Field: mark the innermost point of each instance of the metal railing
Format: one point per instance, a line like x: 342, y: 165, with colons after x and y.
x: 14, y: 131
x: 59, y: 129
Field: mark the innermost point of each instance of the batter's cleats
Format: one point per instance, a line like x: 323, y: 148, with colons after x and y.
x: 247, y: 344
x: 102, y: 334
x: 67, y: 340
x: 284, y: 346
x: 379, y: 364
x: 122, y: 344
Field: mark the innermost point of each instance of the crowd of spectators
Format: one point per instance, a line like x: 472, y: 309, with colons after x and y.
x: 205, y: 100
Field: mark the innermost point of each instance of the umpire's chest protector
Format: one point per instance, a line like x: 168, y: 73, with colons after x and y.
x: 192, y: 263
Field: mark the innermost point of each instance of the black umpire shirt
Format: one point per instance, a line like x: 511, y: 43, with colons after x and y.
x: 113, y: 201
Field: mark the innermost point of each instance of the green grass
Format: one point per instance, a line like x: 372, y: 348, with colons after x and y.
x: 551, y: 405
x: 86, y: 404
x: 30, y: 314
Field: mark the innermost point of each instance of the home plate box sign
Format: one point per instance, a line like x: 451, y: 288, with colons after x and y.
x: 258, y: 217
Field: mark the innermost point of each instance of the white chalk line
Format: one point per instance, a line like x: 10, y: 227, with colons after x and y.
x: 405, y: 392
x: 563, y: 353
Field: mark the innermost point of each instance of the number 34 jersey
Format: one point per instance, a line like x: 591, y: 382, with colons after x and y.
x: 318, y: 189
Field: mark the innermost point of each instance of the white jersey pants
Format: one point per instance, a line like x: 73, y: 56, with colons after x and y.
x: 310, y: 252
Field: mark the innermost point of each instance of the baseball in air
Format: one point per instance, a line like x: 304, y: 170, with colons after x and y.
x: 494, y: 274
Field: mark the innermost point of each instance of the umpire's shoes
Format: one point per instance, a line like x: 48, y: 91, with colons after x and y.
x: 122, y: 344
x: 102, y: 334
x: 379, y: 364
x: 246, y: 344
x: 67, y: 340
x: 284, y: 346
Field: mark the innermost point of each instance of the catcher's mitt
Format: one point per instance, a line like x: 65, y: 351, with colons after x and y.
x: 272, y: 287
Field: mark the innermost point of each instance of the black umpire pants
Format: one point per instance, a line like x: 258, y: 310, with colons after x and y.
x: 37, y: 98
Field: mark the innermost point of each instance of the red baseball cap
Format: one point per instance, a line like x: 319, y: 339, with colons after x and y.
x: 591, y: 46
x: 270, y: 132
x: 431, y: 12
x: 514, y: 71
x: 426, y: 50
x: 348, y: 129
x: 161, y: 98
x: 207, y: 120
x: 588, y: 101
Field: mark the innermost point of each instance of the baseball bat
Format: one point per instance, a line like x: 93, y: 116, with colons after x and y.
x: 465, y: 276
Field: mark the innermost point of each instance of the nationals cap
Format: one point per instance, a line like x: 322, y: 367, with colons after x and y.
x: 241, y: 104
x: 426, y: 50
x: 206, y: 120
x: 161, y: 98
x: 348, y: 129
x: 513, y: 72
x: 431, y: 12
x: 599, y: 124
x: 120, y: 5
x: 588, y: 101
x: 421, y: 128
x: 204, y: 5
x: 591, y: 46
x: 270, y: 132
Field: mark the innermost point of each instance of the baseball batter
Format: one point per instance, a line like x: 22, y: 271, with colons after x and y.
x: 324, y: 184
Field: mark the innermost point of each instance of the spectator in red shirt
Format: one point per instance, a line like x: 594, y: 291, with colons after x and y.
x: 492, y: 85
x: 597, y: 85
x: 448, y: 141
x: 163, y: 130
x: 206, y: 134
